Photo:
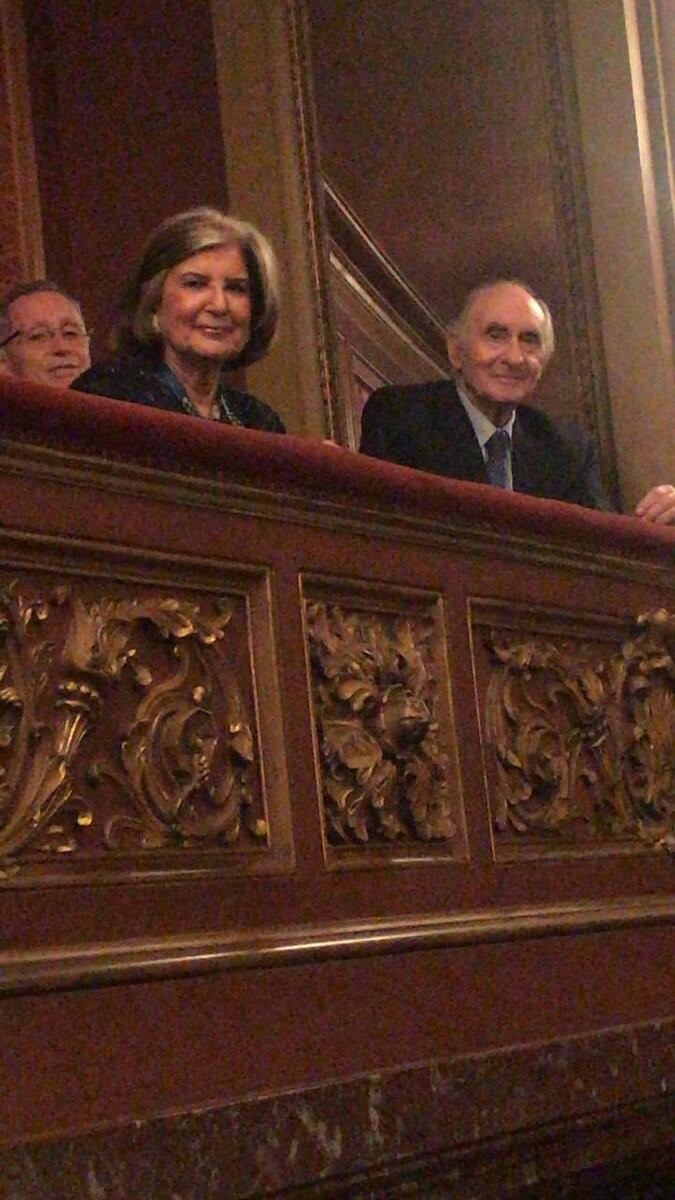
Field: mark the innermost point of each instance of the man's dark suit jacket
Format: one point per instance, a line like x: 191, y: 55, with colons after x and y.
x: 425, y: 426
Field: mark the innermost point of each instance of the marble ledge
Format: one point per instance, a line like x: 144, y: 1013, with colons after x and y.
x: 389, y: 1126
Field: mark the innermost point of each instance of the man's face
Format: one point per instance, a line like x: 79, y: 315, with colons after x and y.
x: 52, y: 345
x: 500, y: 355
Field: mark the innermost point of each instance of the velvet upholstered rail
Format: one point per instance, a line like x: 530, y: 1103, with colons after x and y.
x: 129, y: 433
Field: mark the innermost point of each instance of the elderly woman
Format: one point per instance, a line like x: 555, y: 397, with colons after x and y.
x: 202, y: 301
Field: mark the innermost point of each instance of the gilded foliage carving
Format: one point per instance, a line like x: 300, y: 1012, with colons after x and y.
x: 384, y: 774
x: 147, y: 684
x: 584, y: 742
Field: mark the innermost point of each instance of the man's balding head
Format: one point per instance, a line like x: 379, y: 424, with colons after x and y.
x: 462, y: 322
x: 499, y: 346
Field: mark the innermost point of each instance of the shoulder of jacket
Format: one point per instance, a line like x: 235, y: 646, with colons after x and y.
x: 409, y: 394
x: 563, y: 429
x: 124, y: 366
x: 128, y: 377
x: 248, y: 406
x: 236, y: 396
x: 538, y: 422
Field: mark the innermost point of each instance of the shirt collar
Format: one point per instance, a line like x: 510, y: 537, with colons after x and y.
x: 482, y: 425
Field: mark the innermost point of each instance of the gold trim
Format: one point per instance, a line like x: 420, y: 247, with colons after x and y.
x: 63, y: 968
x: 302, y: 81
x: 263, y: 74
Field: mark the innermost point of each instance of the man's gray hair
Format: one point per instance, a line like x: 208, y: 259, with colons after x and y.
x: 459, y: 328
x: 29, y: 289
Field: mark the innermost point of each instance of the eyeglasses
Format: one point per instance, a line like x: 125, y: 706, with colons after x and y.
x: 40, y: 335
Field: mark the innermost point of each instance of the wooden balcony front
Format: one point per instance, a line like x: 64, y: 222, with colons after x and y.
x: 337, y: 818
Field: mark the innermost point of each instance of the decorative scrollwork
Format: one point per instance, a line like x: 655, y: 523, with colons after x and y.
x: 585, y: 744
x: 384, y: 774
x: 184, y: 762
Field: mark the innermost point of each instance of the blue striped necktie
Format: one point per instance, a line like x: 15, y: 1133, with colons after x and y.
x: 498, y: 452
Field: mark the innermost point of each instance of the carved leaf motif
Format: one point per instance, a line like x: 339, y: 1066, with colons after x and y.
x: 186, y: 772
x: 351, y: 745
x: 585, y: 746
x: 170, y: 756
x: 384, y: 774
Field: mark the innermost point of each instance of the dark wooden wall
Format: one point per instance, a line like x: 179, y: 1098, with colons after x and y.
x: 127, y: 131
x: 450, y: 131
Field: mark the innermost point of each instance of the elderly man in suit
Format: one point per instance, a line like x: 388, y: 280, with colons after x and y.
x: 478, y: 427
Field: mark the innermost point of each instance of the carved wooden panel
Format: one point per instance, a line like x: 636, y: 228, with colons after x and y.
x: 578, y: 728
x: 384, y: 741
x: 131, y: 738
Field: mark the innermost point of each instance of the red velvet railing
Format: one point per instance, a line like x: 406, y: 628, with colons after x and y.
x: 115, y: 431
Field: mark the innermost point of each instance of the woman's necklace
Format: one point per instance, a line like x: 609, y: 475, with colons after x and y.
x: 225, y: 408
x: 220, y: 409
x: 190, y: 407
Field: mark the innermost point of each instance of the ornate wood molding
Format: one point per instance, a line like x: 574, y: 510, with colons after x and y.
x: 177, y: 784
x: 572, y: 210
x: 310, y: 506
x: 264, y: 80
x: 387, y: 758
x: 310, y: 174
x: 64, y: 968
x: 365, y: 259
x: 579, y: 729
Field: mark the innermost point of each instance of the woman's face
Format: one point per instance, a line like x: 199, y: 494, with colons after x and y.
x: 205, y: 309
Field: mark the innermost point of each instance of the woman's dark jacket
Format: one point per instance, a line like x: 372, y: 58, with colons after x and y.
x: 143, y: 378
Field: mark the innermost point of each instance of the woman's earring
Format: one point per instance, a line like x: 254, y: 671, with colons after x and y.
x: 155, y: 323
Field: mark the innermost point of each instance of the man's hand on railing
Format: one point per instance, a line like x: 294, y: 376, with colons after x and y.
x: 658, y: 505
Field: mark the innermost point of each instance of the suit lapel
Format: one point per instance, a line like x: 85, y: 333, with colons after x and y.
x: 452, y: 448
x: 535, y: 471
x: 539, y: 465
x: 523, y: 462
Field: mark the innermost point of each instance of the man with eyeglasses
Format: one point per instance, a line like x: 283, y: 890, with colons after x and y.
x: 42, y: 334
